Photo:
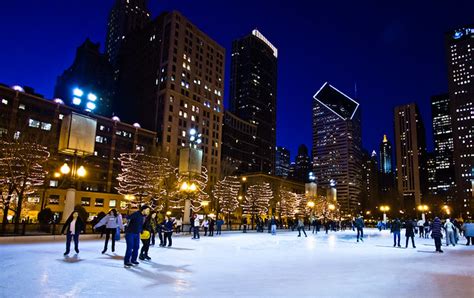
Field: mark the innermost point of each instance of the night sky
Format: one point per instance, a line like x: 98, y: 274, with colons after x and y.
x: 393, y: 52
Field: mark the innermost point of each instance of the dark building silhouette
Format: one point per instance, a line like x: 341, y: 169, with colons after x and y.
x: 387, y: 186
x: 442, y: 167
x: 303, y: 165
x: 337, y: 141
x: 282, y: 162
x: 125, y: 17
x: 238, y: 144
x: 460, y: 57
x: 411, y: 155
x: 253, y: 87
x: 172, y: 79
x: 88, y: 84
x: 370, y: 181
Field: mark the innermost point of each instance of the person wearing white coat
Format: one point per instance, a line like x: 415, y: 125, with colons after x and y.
x: 196, y: 227
x: 449, y: 227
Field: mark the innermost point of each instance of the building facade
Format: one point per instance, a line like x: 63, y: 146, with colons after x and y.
x: 387, y: 185
x: 282, y: 162
x: 410, y: 150
x: 88, y: 84
x: 172, y: 77
x: 337, y: 141
x: 303, y: 165
x: 253, y: 88
x: 460, y: 55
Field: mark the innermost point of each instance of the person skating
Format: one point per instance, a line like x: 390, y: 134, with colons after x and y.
x: 427, y: 225
x: 449, y: 227
x: 395, y: 229
x: 145, y: 237
x: 111, y: 221
x: 211, y: 227
x: 154, y: 226
x: 179, y: 224
x: 205, y: 225
x: 168, y: 231
x: 273, y: 224
x: 359, y: 225
x: 421, y: 228
x: 132, y: 235
x: 468, y: 228
x: 410, y: 232
x: 436, y: 233
x: 244, y: 224
x: 159, y: 231
x: 73, y: 227
x: 301, y: 227
x: 219, y: 224
x: 196, y: 227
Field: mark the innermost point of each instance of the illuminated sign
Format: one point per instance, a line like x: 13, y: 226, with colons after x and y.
x: 462, y: 32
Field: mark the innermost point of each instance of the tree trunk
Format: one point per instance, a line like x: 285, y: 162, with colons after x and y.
x: 5, y: 216
x: 18, y: 212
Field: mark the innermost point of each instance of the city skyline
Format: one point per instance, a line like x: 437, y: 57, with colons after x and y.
x: 405, y: 39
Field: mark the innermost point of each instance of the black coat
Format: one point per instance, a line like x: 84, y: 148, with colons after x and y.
x: 410, y: 226
x: 79, y: 225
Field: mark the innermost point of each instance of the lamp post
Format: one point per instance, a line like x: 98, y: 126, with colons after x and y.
x: 447, y: 210
x: 72, y: 175
x: 423, y: 209
x: 384, y: 209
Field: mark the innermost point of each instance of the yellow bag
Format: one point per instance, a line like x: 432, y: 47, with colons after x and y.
x: 145, y: 235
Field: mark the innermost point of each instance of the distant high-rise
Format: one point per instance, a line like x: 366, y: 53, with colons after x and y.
x: 88, y: 83
x: 253, y: 88
x: 172, y: 80
x: 282, y: 162
x: 370, y: 181
x: 410, y: 147
x: 385, y: 156
x: 387, y: 187
x: 442, y: 178
x: 460, y: 57
x: 126, y: 16
x: 303, y: 165
x: 337, y: 141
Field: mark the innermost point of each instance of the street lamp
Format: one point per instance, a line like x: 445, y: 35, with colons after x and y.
x: 332, y: 207
x: 385, y: 209
x: 447, y: 209
x: 310, y: 204
x: 423, y: 209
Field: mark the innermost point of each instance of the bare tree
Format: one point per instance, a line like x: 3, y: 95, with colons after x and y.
x: 257, y: 200
x: 226, y: 192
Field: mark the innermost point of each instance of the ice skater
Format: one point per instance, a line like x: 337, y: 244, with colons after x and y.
x: 468, y: 228
x: 359, y: 225
x: 212, y: 223
x: 111, y: 221
x: 145, y: 237
x: 132, y: 235
x: 273, y: 224
x: 196, y: 227
x: 168, y: 229
x: 436, y: 233
x: 395, y: 229
x: 205, y: 225
x: 449, y: 227
x: 73, y: 225
x: 301, y: 227
x: 219, y: 224
x: 410, y: 232
x: 154, y: 226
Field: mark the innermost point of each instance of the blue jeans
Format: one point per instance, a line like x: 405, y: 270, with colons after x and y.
x: 274, y: 229
x: 396, y: 235
x: 133, y: 244
x: 69, y: 237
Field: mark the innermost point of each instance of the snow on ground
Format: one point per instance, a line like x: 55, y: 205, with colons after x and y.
x: 237, y: 264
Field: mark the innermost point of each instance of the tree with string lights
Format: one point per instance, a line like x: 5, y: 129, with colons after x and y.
x: 21, y: 173
x: 287, y: 204
x: 257, y: 200
x: 142, y: 176
x: 226, y: 192
x: 192, y: 187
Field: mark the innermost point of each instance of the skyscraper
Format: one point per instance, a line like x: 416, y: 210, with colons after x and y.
x: 88, y: 84
x: 126, y: 16
x: 303, y: 164
x: 337, y: 141
x: 443, y: 181
x: 387, y: 188
x: 385, y: 156
x: 253, y: 87
x: 172, y: 79
x: 370, y: 181
x: 460, y: 57
x: 410, y: 147
x: 282, y: 162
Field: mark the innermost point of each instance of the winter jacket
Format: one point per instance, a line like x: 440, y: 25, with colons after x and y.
x: 273, y: 221
x: 436, y: 228
x: 409, y: 229
x: 196, y: 222
x: 359, y: 223
x: 219, y: 223
x: 135, y: 223
x: 205, y: 224
x: 80, y: 226
x: 396, y: 226
x: 468, y: 229
x: 168, y: 226
x: 110, y: 222
x: 449, y: 226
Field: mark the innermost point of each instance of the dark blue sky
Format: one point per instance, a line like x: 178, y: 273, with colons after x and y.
x: 393, y: 50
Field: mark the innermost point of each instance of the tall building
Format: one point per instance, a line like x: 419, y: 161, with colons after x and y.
x: 303, y: 165
x: 282, y: 162
x: 125, y: 17
x: 88, y: 84
x: 172, y: 79
x: 385, y: 156
x: 253, y: 88
x: 238, y: 144
x: 442, y: 178
x: 337, y: 141
x: 460, y: 57
x: 410, y: 154
x: 387, y: 187
x: 370, y: 181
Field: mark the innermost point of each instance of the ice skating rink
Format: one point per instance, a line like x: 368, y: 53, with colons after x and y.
x: 243, y: 265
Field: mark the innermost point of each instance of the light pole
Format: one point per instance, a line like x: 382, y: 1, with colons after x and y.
x: 384, y: 209
x: 73, y: 175
x: 423, y: 209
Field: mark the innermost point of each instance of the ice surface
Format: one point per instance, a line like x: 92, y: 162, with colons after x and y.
x: 237, y: 264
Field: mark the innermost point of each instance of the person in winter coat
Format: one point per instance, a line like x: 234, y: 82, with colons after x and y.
x: 205, y: 225
x: 449, y: 227
x: 154, y: 226
x: 395, y: 229
x: 168, y: 231
x: 436, y: 233
x: 132, y: 235
x: 427, y: 225
x: 179, y: 224
x: 421, y: 229
x: 219, y: 224
x: 468, y: 228
x: 410, y: 232
x: 111, y: 221
x: 196, y: 227
x: 273, y: 224
x: 301, y: 228
x: 359, y: 224
x: 145, y: 237
x: 73, y: 227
